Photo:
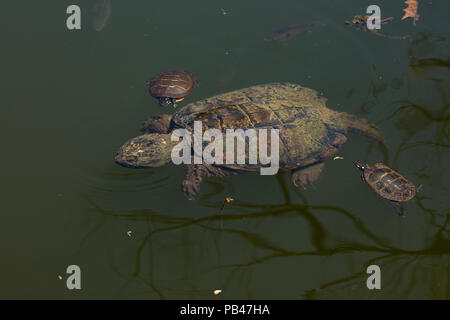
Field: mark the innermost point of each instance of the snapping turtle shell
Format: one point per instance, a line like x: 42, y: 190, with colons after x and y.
x: 309, y: 132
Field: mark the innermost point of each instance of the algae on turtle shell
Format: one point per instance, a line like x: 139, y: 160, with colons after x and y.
x: 309, y: 132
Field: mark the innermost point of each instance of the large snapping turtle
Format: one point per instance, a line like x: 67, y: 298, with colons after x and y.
x: 309, y: 132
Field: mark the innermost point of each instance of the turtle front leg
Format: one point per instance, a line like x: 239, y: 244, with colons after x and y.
x: 399, y: 208
x: 307, y: 175
x: 157, y: 124
x: 194, y: 177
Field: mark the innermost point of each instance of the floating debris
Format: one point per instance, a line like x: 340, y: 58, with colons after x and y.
x: 360, y: 23
x: 59, y: 277
x: 222, y: 10
x: 129, y: 233
x: 217, y: 292
x: 227, y: 200
x: 411, y: 10
x: 338, y: 158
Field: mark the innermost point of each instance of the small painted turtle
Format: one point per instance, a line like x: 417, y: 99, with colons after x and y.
x: 171, y: 87
x: 388, y: 184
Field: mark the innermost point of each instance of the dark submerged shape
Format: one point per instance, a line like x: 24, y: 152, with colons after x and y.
x: 171, y: 87
x: 388, y: 184
x: 288, y: 33
x: 101, y: 14
x: 309, y: 132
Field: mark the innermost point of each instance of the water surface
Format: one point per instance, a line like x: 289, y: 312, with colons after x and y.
x: 71, y: 98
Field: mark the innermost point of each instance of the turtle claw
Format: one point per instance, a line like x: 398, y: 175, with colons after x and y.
x: 294, y: 181
x: 194, y: 176
x: 190, y: 188
x: 306, y: 176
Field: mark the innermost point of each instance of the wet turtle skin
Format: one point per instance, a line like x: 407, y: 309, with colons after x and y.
x: 388, y: 183
x: 309, y: 132
x: 172, y: 86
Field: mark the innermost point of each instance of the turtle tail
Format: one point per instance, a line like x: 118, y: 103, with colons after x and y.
x: 363, y: 127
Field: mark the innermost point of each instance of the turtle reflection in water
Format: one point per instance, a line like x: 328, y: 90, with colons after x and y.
x: 309, y: 132
x: 388, y: 184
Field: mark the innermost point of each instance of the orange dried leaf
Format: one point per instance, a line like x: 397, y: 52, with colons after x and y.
x: 411, y: 10
x: 227, y: 200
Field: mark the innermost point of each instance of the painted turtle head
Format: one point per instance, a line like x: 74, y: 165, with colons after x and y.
x: 164, y: 101
x: 145, y: 151
x: 361, y: 165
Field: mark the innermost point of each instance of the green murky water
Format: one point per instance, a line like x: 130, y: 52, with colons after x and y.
x: 71, y: 98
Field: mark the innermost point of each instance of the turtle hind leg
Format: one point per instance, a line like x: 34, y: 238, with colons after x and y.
x: 307, y: 175
x: 157, y: 124
x: 361, y: 126
x: 399, y: 208
x: 194, y: 177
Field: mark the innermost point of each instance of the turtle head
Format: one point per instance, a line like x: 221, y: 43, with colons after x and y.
x: 145, y: 151
x: 361, y: 165
x: 164, y: 101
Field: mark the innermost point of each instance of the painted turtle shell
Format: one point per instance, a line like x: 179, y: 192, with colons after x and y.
x: 172, y: 86
x: 389, y: 184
